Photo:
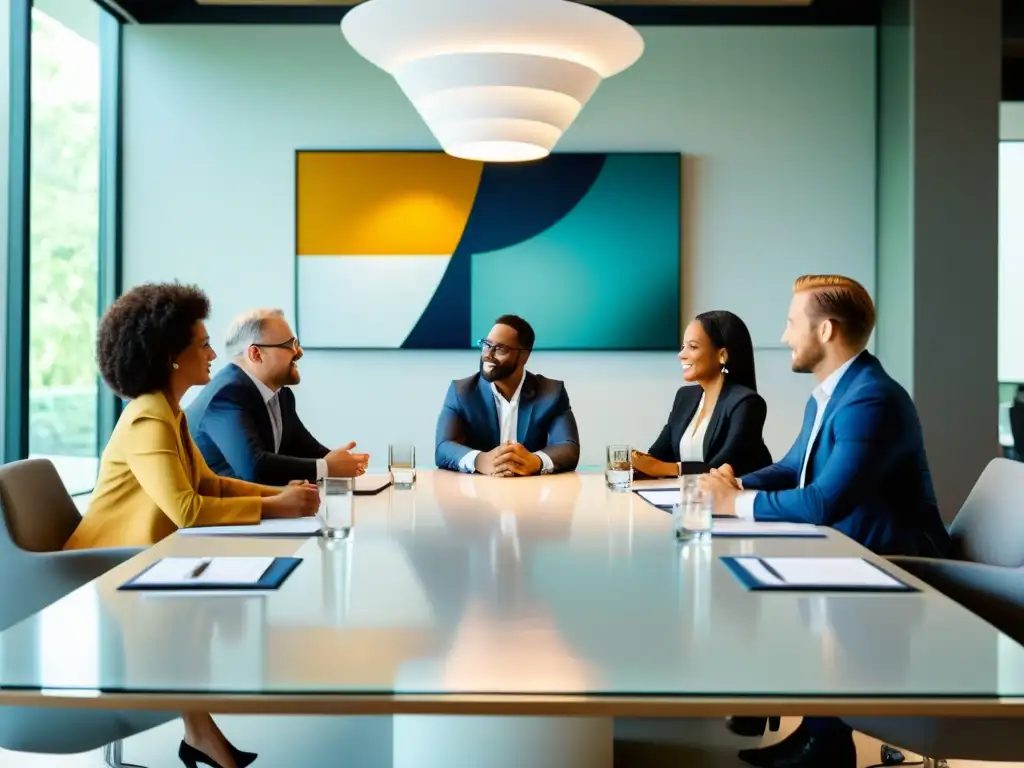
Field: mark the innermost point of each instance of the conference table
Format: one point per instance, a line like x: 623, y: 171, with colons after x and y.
x: 550, y: 604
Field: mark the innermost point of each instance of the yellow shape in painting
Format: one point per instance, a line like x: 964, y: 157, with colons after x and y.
x: 383, y: 203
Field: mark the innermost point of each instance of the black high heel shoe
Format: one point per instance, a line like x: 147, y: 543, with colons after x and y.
x: 752, y: 726
x: 192, y: 757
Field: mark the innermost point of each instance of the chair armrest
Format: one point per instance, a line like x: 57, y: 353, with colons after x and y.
x: 994, y: 593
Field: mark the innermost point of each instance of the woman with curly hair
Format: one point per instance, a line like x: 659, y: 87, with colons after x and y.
x: 152, y: 346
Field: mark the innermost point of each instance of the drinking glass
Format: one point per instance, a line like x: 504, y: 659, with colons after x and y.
x: 618, y: 468
x: 337, y: 507
x: 691, y: 517
x: 402, y: 465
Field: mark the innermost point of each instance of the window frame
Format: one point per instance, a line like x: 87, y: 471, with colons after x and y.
x: 14, y: 444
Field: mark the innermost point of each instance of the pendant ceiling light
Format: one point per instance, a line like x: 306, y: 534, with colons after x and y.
x: 495, y: 80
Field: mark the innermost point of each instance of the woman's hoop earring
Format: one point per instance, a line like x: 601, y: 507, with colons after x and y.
x: 174, y: 366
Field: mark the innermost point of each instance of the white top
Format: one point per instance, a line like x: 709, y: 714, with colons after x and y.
x: 691, y: 444
x: 822, y: 394
x: 273, y: 403
x: 508, y: 424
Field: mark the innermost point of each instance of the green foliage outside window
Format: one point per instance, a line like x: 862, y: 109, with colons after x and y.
x: 64, y: 235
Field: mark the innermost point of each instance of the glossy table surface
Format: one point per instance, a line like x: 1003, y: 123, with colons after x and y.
x: 547, y: 595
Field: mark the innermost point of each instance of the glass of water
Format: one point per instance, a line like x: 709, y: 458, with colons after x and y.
x: 618, y: 468
x: 402, y: 465
x: 691, y: 517
x: 337, y: 507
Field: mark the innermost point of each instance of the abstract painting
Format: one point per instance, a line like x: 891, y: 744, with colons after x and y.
x: 420, y: 250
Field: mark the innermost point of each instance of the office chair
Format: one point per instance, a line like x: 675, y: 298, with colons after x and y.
x: 1017, y: 428
x: 988, y: 579
x: 37, y: 516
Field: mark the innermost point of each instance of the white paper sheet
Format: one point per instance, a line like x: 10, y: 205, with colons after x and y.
x: 302, y: 526
x: 830, y: 571
x: 753, y: 566
x: 177, y: 571
x: 661, y: 497
x: 742, y: 528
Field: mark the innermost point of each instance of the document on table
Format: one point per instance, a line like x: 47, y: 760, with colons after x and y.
x: 664, y: 498
x: 742, y: 529
x: 197, y: 571
x: 301, y: 526
x: 369, y: 485
x: 823, y: 573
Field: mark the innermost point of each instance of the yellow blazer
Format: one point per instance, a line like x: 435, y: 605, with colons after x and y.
x: 153, y: 481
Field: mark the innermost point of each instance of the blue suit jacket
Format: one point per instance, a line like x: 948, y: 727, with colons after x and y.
x: 867, y: 474
x: 231, y: 427
x: 469, y: 422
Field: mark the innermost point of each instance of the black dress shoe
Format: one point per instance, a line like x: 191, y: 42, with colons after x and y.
x: 766, y: 756
x: 751, y: 726
x: 811, y: 750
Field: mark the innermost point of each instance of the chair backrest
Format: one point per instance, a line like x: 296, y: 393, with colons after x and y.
x: 989, y: 528
x: 38, y: 513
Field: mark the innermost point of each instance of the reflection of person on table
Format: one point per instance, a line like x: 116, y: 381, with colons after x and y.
x: 152, y: 347
x: 858, y: 466
x: 720, y: 420
x: 504, y: 421
x: 245, y: 422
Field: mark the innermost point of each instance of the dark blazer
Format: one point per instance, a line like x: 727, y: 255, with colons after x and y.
x: 867, y: 475
x: 469, y: 422
x: 230, y: 424
x: 733, y: 435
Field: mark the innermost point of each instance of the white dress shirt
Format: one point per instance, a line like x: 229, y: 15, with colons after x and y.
x: 273, y: 403
x: 508, y: 422
x: 822, y: 394
x: 691, y: 444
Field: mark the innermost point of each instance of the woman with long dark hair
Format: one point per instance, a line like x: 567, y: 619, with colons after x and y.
x: 720, y: 420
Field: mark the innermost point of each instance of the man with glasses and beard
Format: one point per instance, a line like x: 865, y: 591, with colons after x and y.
x: 504, y: 421
x: 244, y: 421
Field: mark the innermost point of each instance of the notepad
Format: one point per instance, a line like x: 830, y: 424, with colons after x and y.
x: 301, y: 526
x: 213, y: 574
x: 371, y: 485
x: 744, y: 529
x: 813, y: 574
x: 663, y: 498
x: 215, y: 570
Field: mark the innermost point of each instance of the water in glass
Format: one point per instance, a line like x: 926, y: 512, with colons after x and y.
x: 337, y: 507
x: 402, y: 465
x: 692, y: 516
x: 618, y: 470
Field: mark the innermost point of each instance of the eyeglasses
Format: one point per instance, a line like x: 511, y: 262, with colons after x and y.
x: 292, y: 344
x: 499, y: 349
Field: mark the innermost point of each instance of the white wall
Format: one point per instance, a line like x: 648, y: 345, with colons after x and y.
x: 778, y: 125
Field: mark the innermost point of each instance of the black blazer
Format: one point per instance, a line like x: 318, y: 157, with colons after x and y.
x: 231, y: 427
x: 733, y: 435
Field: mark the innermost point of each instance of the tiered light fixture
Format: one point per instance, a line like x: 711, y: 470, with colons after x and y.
x: 495, y: 80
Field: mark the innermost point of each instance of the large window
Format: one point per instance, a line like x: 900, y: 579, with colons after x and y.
x: 1011, y: 261
x: 64, y: 224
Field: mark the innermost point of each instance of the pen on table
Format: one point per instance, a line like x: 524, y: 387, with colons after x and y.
x: 198, y: 570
